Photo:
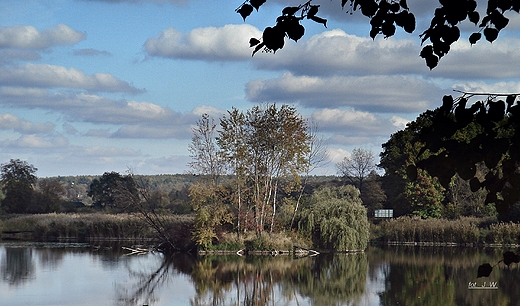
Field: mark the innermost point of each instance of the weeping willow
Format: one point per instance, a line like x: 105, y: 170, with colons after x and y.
x: 336, y: 219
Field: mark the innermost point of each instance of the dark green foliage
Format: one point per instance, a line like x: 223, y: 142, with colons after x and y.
x: 104, y: 191
x: 386, y: 15
x: 462, y: 137
x: 18, y: 179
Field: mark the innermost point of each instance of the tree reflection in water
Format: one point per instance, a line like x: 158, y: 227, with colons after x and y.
x: 257, y: 280
x: 17, y: 265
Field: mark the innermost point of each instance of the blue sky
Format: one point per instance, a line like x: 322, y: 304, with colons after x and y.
x: 94, y: 86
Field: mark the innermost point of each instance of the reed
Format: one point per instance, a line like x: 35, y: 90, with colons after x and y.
x: 416, y: 230
x: 89, y: 226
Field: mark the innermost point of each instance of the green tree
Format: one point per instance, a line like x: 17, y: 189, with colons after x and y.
x: 104, y: 190
x: 48, y: 196
x: 18, y: 180
x: 385, y: 16
x: 373, y: 195
x: 336, y: 219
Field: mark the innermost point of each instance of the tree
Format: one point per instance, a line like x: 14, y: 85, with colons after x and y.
x: 373, y: 195
x: 385, y: 16
x: 493, y: 141
x: 104, y: 190
x: 336, y: 219
x: 267, y: 148
x: 425, y: 195
x: 357, y: 167
x: 48, y: 196
x: 17, y: 179
x: 204, y: 151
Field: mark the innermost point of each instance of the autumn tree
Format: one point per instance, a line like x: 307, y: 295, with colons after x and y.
x: 207, y: 197
x: 267, y: 148
x: 18, y: 180
x: 385, y: 17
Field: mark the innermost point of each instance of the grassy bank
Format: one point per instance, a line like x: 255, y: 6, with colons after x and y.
x: 464, y: 231
x: 89, y: 226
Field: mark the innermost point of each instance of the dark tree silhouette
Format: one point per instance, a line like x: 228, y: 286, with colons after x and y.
x: 385, y: 16
x: 17, y: 179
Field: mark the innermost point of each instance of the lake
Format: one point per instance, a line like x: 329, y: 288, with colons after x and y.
x: 101, y: 274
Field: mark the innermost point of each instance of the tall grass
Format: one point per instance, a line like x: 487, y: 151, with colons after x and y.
x: 466, y: 231
x: 85, y: 226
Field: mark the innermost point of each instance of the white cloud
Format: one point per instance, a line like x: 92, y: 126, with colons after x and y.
x: 11, y: 122
x: 227, y: 43
x: 33, y: 142
x: 337, y: 154
x: 44, y: 75
x: 371, y: 93
x: 336, y: 52
x: 28, y: 37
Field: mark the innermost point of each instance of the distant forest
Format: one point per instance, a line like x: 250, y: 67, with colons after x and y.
x: 173, y: 186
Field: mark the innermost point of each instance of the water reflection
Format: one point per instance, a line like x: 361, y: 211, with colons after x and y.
x: 17, y: 265
x: 65, y: 274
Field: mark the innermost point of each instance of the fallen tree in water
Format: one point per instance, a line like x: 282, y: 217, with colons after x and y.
x: 172, y: 237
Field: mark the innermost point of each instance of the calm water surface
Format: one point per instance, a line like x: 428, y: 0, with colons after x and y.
x: 83, y: 274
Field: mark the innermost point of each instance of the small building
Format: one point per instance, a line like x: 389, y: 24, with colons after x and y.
x: 384, y: 213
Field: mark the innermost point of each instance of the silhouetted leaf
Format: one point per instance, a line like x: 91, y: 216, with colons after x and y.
x: 403, y: 4
x: 273, y: 38
x: 499, y: 20
x: 256, y: 3
x: 294, y: 30
x: 496, y: 110
x: 313, y: 11
x: 245, y: 10
x: 447, y: 103
x: 473, y: 38
x: 253, y: 42
x: 411, y: 172
x: 474, y: 184
x: 510, y: 257
x: 484, y: 270
x: 388, y: 29
x: 369, y: 8
x: 319, y: 20
x: 491, y: 34
x: 290, y: 10
x: 258, y: 47
x: 474, y: 17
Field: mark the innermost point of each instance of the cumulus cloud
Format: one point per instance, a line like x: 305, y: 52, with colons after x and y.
x: 45, y: 75
x: 336, y: 52
x: 12, y: 122
x: 28, y: 37
x: 369, y: 93
x: 32, y: 142
x: 227, y: 43
x: 350, y: 123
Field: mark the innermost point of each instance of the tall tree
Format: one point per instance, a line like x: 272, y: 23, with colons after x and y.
x: 104, y: 190
x: 204, y: 151
x: 385, y: 16
x: 18, y: 180
x: 357, y: 167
